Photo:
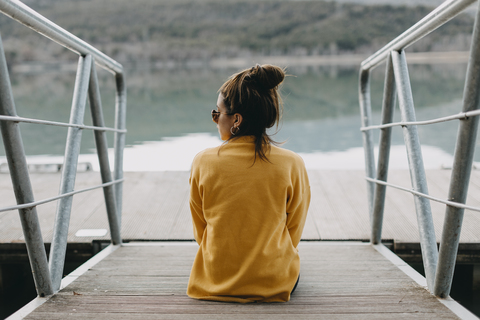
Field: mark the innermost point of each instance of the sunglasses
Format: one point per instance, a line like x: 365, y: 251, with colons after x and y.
x: 216, y: 114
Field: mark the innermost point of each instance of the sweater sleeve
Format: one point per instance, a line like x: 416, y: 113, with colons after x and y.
x: 297, y: 206
x: 196, y: 207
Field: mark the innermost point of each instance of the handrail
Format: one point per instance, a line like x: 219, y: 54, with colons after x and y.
x: 47, y: 276
x: 435, y: 19
x: 59, y: 124
x: 439, y: 265
x: 35, y: 21
x: 458, y: 116
x: 450, y: 203
x: 63, y: 195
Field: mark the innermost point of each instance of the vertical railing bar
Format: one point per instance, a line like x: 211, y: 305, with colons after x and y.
x: 119, y: 142
x: 367, y: 136
x: 388, y: 106
x: 72, y: 150
x: 22, y: 187
x: 417, y: 171
x: 102, y: 151
x: 462, y: 166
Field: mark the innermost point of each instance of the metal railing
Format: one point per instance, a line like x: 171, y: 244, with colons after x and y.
x: 48, y: 275
x: 439, y: 265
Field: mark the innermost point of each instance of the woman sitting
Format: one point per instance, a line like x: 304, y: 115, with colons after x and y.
x: 248, y: 198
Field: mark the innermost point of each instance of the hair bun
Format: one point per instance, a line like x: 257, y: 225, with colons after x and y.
x: 267, y: 76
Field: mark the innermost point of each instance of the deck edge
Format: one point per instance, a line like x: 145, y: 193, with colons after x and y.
x: 38, y: 301
x: 452, y: 305
x: 72, y: 276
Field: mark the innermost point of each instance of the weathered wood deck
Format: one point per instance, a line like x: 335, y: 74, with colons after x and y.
x: 148, y: 280
x: 338, y: 281
x: 155, y: 207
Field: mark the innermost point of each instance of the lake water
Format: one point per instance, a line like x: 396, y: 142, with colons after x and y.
x: 168, y: 117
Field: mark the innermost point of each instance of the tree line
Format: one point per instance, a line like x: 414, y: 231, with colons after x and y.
x: 156, y: 30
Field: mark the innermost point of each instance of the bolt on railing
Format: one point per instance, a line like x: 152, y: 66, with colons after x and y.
x: 48, y: 275
x: 439, y: 266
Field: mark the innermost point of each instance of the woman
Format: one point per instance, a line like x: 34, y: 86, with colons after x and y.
x: 248, y: 198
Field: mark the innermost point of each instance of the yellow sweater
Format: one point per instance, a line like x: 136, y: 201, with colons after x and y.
x: 248, y: 221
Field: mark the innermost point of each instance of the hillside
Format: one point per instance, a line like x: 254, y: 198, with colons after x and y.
x: 180, y: 30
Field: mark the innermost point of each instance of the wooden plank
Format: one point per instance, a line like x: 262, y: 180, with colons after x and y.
x: 159, y: 305
x: 330, y: 207
x: 135, y: 316
x: 338, y: 281
x: 352, y: 186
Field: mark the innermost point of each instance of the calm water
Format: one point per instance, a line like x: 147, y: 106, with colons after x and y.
x: 169, y: 121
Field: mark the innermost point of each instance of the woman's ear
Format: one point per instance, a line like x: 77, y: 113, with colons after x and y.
x: 238, y: 119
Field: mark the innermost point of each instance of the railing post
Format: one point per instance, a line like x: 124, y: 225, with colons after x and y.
x: 388, y: 107
x: 102, y: 152
x: 417, y: 171
x: 366, y: 117
x: 72, y: 150
x: 120, y: 123
x: 21, y: 184
x: 462, y: 166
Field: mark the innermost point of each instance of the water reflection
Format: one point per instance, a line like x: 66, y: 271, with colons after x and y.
x: 169, y: 112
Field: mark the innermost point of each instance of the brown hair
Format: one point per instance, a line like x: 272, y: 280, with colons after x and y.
x: 253, y: 93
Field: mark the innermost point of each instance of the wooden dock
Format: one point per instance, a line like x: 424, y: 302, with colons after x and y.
x: 339, y: 280
x: 148, y: 280
x: 155, y: 207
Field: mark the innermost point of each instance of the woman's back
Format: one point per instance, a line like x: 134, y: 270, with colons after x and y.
x: 248, y: 218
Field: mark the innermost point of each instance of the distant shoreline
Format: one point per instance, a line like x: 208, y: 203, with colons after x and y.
x: 349, y: 60
x: 339, y: 60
